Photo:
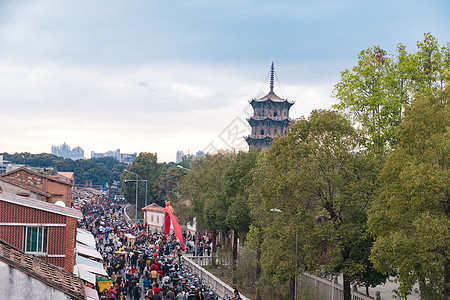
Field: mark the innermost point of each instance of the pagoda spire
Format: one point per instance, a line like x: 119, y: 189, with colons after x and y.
x: 272, y: 72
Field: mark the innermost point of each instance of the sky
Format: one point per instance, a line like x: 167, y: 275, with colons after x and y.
x: 161, y: 76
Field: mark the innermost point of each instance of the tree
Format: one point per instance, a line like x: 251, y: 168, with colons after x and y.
x: 411, y: 220
x: 323, y: 181
x: 204, y: 186
x: 146, y: 166
x: 377, y: 90
x: 238, y: 180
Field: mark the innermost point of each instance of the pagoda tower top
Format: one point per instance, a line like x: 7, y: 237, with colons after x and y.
x: 272, y: 73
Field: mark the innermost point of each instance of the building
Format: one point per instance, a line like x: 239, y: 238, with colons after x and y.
x: 23, y: 276
x: 126, y: 158
x: 42, y: 229
x: 270, y: 117
x: 28, y: 183
x: 154, y: 217
x: 180, y: 155
x: 6, y: 166
x: 65, y: 151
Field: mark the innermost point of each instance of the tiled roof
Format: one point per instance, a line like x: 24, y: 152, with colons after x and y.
x: 49, y: 274
x: 64, y: 181
x: 272, y: 97
x: 41, y: 205
x: 66, y: 174
x: 153, y: 207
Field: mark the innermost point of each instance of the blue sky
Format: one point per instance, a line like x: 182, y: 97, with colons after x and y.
x: 162, y: 76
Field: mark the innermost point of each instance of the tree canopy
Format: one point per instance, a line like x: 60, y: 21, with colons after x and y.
x: 377, y: 90
x: 411, y: 219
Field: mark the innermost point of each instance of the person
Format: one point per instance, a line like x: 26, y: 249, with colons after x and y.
x: 192, y: 295
x: 180, y: 295
x: 156, y: 297
x: 236, y: 295
x: 121, y: 296
x: 137, y: 292
x: 170, y: 295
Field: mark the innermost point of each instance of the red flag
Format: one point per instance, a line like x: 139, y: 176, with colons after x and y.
x: 169, y: 216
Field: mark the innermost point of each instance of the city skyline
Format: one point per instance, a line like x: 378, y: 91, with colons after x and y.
x: 159, y: 77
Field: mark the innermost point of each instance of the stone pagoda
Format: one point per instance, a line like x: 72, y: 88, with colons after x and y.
x: 270, y: 117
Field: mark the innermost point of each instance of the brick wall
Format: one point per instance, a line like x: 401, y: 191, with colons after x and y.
x: 61, y: 240
x: 21, y: 214
x: 60, y: 191
x: 12, y: 235
x: 70, y: 238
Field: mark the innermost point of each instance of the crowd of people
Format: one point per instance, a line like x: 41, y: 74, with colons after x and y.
x: 149, y: 265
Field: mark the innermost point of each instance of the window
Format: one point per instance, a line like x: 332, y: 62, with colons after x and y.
x: 157, y: 219
x: 262, y: 131
x: 36, y: 239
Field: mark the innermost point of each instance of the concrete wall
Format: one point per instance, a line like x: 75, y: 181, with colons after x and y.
x: 17, y: 190
x: 17, y: 285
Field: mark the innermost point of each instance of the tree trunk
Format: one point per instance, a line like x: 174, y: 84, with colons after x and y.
x: 367, y: 290
x: 446, y: 280
x: 347, y: 289
x: 258, y: 265
x: 235, y: 254
x: 214, y: 249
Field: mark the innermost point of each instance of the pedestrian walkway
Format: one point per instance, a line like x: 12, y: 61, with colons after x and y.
x: 136, y: 260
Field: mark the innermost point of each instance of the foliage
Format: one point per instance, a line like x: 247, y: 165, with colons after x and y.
x: 144, y: 167
x: 377, y: 90
x: 411, y: 220
x: 323, y: 181
x: 97, y: 170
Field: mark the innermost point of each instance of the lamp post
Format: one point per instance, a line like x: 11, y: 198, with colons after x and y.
x: 296, y: 253
x: 137, y: 182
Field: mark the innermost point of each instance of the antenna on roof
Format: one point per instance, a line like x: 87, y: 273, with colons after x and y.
x: 272, y: 71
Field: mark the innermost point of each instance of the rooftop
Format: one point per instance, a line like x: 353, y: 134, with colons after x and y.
x: 41, y: 205
x: 153, y: 207
x: 49, y: 274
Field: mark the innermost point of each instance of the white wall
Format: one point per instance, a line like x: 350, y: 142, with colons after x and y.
x: 17, y: 285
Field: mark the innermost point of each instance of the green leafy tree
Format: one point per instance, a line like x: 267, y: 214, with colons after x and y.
x: 323, y: 182
x: 146, y: 166
x: 411, y: 220
x: 377, y: 90
x: 238, y: 182
x: 204, y: 186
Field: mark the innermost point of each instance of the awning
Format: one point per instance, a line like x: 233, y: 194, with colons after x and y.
x: 87, y: 276
x: 85, y: 237
x: 95, y: 270
x: 89, y: 262
x: 91, y: 294
x: 88, y: 251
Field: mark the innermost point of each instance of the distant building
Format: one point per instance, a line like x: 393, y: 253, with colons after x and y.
x: 6, y: 166
x: 127, y: 158
x: 120, y: 157
x: 198, y: 154
x: 270, y: 117
x: 65, y: 151
x: 180, y: 155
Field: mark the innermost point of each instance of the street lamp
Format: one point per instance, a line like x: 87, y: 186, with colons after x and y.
x: 137, y: 182
x: 296, y: 253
